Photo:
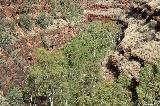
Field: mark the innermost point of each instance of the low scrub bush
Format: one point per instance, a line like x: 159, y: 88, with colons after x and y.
x: 42, y: 20
x: 14, y: 96
x: 5, y: 37
x: 25, y: 22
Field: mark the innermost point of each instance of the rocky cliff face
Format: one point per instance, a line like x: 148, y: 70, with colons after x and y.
x: 139, y: 41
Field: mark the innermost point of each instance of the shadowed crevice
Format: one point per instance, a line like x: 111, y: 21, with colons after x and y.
x: 132, y: 89
x: 113, y: 68
x: 137, y: 59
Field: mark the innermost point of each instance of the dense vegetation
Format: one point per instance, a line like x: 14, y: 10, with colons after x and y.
x: 72, y: 75
x: 149, y: 86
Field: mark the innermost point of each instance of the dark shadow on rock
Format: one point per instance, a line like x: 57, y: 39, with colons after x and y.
x: 120, y: 35
x: 138, y: 59
x: 113, y: 68
x: 132, y: 89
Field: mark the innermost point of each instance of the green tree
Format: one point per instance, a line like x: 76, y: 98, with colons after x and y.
x: 91, y: 45
x: 72, y: 76
x: 48, y: 76
x: 14, y: 96
x: 149, y: 86
x: 113, y: 94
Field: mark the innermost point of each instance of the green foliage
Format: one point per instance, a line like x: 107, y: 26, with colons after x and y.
x: 91, y: 45
x: 25, y: 22
x: 5, y: 37
x: 52, y: 78
x: 4, y: 40
x: 2, y: 28
x: 113, y: 94
x: 71, y: 76
x: 42, y: 20
x: 14, y: 96
x: 48, y: 76
x: 70, y: 9
x: 149, y: 86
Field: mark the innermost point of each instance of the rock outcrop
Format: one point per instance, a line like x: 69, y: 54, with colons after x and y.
x: 139, y: 42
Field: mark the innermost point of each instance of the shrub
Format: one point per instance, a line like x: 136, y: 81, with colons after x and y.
x: 25, y: 22
x: 42, y: 20
x: 149, y: 86
x: 71, y: 10
x: 14, y: 96
x: 5, y: 37
x: 2, y: 28
x: 46, y: 42
x: 47, y: 78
